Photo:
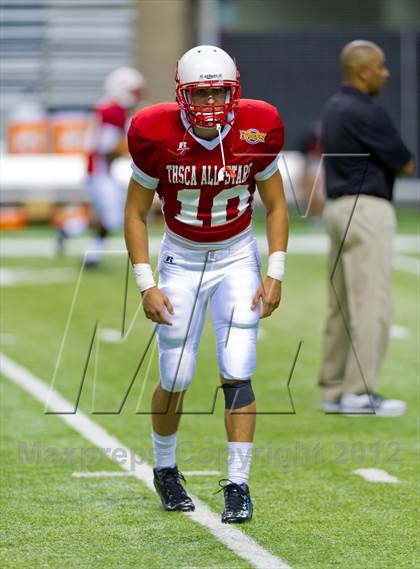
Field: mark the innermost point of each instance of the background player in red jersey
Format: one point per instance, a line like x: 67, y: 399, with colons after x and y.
x: 106, y: 141
x: 205, y: 155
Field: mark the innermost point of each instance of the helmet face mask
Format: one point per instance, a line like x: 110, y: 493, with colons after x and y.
x: 207, y: 68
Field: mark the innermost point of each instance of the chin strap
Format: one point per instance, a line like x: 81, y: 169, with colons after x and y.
x: 225, y: 169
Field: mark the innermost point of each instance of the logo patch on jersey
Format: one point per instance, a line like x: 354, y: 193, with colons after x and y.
x: 182, y: 146
x: 252, y: 136
x: 170, y: 260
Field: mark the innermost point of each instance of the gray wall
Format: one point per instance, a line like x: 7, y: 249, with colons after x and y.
x: 298, y: 71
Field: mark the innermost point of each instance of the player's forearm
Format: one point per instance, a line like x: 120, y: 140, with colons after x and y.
x: 136, y: 238
x: 277, y: 228
x: 138, y: 204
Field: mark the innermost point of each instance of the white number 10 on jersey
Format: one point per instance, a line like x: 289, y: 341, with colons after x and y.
x: 190, y: 200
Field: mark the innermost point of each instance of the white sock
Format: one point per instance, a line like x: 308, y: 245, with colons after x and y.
x: 164, y: 450
x: 239, y: 461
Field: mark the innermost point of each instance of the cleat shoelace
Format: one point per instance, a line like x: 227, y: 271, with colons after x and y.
x: 234, y: 496
x: 172, y: 480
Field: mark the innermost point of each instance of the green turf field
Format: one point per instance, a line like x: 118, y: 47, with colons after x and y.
x: 310, y: 509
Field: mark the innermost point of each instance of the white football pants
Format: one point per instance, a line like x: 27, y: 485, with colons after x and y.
x: 227, y: 278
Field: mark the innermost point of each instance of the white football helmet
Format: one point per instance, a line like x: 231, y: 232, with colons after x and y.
x: 202, y: 67
x: 124, y: 86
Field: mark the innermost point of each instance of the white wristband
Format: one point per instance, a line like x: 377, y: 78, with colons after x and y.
x: 144, y: 276
x: 276, y: 262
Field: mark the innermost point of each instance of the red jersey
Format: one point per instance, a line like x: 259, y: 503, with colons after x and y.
x: 107, y: 125
x: 184, y: 169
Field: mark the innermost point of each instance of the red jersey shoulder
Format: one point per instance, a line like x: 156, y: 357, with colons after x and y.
x: 111, y: 113
x: 157, y: 121
x: 260, y: 126
x: 258, y: 114
x: 149, y: 134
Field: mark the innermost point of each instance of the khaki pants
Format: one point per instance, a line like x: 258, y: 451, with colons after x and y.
x: 360, y: 294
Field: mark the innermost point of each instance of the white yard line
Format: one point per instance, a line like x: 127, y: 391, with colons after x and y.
x: 230, y: 536
x: 399, y: 332
x: 406, y: 264
x: 14, y: 277
x: 111, y: 336
x: 376, y: 475
x: 298, y: 245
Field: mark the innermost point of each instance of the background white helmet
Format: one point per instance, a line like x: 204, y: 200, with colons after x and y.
x: 124, y: 86
x: 207, y: 66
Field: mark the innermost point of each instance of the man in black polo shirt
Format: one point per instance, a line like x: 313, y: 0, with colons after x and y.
x: 360, y: 220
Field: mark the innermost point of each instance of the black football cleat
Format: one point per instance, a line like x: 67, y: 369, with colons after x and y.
x: 238, y: 504
x: 168, y: 485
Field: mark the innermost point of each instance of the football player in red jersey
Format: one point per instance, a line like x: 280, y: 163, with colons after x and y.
x: 205, y: 155
x: 106, y: 141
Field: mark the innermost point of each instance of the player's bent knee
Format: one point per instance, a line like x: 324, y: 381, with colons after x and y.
x: 238, y: 394
x: 175, y: 384
x: 176, y: 370
x: 236, y: 362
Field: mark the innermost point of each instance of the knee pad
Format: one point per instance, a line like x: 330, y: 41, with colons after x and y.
x: 238, y: 394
